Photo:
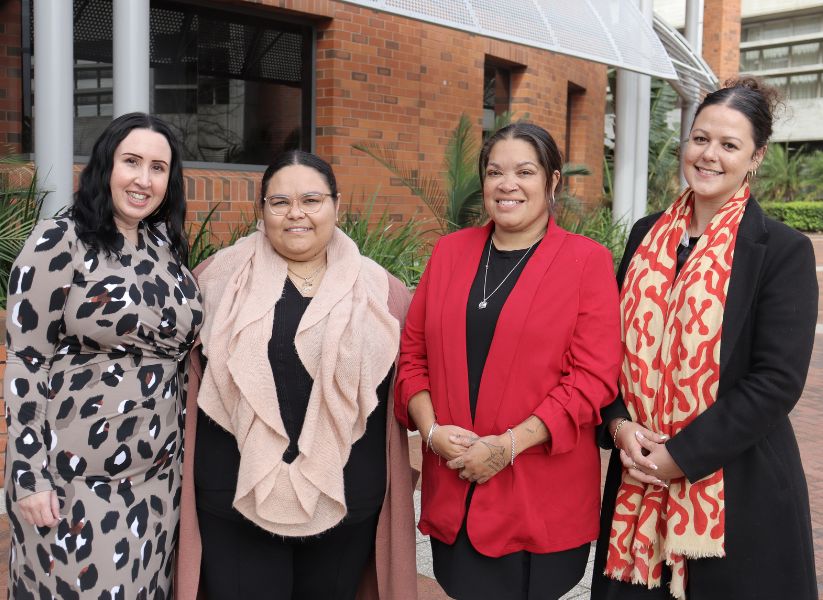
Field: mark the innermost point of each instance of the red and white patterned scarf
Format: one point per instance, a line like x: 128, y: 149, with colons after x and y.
x: 671, y: 366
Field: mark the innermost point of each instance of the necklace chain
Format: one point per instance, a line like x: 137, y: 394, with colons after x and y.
x: 308, y: 281
x: 484, y: 302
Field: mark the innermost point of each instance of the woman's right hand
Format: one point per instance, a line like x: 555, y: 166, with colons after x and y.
x: 632, y: 454
x: 41, y: 509
x: 451, y: 441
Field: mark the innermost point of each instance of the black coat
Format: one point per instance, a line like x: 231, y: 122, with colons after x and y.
x: 766, y: 345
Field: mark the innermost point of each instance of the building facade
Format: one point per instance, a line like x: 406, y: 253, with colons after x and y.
x: 780, y: 41
x: 243, y: 80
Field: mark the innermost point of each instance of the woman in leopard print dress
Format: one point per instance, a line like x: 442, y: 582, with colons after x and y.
x: 101, y: 314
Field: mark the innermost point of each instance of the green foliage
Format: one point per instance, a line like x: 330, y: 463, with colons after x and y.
x: 664, y: 149
x: 788, y: 175
x: 802, y: 215
x: 597, y: 224
x: 401, y: 249
x: 457, y: 202
x: 204, y: 242
x: 20, y: 207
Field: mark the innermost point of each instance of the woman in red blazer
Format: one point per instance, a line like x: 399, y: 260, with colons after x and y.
x: 511, y: 348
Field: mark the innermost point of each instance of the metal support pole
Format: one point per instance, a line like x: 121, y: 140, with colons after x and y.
x: 694, y: 35
x: 131, y: 56
x: 641, y: 148
x: 625, y: 142
x: 54, y: 102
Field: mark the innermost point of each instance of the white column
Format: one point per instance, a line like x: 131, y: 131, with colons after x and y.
x: 130, y: 39
x: 641, y: 147
x: 625, y: 133
x: 54, y: 102
x: 694, y: 35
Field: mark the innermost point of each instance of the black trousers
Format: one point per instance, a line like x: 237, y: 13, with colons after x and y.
x: 466, y: 574
x: 243, y: 562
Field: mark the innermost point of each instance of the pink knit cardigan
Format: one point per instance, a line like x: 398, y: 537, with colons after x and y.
x: 392, y: 571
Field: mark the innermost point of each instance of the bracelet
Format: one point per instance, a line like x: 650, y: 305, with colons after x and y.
x: 511, y: 435
x: 617, y: 430
x: 429, y: 437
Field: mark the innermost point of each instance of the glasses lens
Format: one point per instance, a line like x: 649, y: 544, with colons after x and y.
x: 307, y: 203
x: 310, y: 203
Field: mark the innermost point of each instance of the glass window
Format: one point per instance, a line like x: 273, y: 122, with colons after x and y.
x: 803, y: 86
x: 496, y: 94
x: 237, y: 88
x: 750, y: 60
x: 775, y: 58
x: 805, y: 54
x: 808, y: 25
x: 776, y: 29
x: 781, y: 83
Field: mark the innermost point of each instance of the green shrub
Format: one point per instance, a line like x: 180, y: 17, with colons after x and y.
x: 596, y: 224
x: 802, y: 215
x: 400, y: 249
x: 20, y: 205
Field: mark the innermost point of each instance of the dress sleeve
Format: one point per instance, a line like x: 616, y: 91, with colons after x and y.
x: 38, y: 287
x: 784, y: 313
x: 413, y: 365
x: 590, y: 367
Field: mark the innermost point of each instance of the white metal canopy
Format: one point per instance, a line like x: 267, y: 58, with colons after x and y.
x: 695, y: 77
x: 613, y: 32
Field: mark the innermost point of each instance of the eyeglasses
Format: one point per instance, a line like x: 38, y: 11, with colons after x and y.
x: 308, y: 203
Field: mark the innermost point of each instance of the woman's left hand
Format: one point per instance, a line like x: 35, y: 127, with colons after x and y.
x: 484, y: 459
x: 659, y: 455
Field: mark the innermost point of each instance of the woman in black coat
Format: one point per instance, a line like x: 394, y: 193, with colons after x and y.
x: 726, y: 478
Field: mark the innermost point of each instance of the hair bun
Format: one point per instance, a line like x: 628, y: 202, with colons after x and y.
x: 770, y: 94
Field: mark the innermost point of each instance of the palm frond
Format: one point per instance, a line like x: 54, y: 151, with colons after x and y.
x: 426, y: 188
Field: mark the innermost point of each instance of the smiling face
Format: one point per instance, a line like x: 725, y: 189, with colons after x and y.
x: 298, y: 236
x: 514, y: 189
x: 720, y: 151
x: 139, y: 177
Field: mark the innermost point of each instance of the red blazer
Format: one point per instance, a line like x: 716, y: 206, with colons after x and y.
x: 555, y: 354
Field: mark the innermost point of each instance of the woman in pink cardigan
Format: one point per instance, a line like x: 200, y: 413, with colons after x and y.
x: 297, y: 483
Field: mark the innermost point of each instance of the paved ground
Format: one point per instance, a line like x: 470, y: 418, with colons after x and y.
x: 807, y: 419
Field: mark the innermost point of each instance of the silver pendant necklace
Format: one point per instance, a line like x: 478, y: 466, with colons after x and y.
x: 485, y: 301
x: 308, y: 282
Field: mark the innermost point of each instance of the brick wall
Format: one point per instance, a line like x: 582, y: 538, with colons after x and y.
x: 11, y: 90
x: 721, y: 37
x: 405, y: 83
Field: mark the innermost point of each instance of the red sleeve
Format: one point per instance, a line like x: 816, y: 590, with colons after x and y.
x: 413, y: 365
x: 591, y: 363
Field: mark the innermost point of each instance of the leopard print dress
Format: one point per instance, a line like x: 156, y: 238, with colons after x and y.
x: 93, y: 388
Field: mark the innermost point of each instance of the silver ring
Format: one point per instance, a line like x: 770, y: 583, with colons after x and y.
x: 635, y: 467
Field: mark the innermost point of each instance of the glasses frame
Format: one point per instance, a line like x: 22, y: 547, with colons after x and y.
x: 295, y: 200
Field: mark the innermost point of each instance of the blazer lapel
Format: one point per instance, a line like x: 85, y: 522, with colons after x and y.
x: 510, y: 325
x: 453, y: 324
x: 749, y: 253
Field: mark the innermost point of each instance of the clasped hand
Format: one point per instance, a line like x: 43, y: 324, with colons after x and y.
x: 476, y: 459
x: 644, y: 454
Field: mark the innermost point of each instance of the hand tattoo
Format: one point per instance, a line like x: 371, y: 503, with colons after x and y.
x: 497, y: 456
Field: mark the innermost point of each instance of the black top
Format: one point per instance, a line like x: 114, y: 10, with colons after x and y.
x: 683, y: 253
x: 218, y: 458
x: 480, y: 323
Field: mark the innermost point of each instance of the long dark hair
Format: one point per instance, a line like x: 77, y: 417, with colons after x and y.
x: 299, y: 157
x: 543, y: 143
x: 92, y: 209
